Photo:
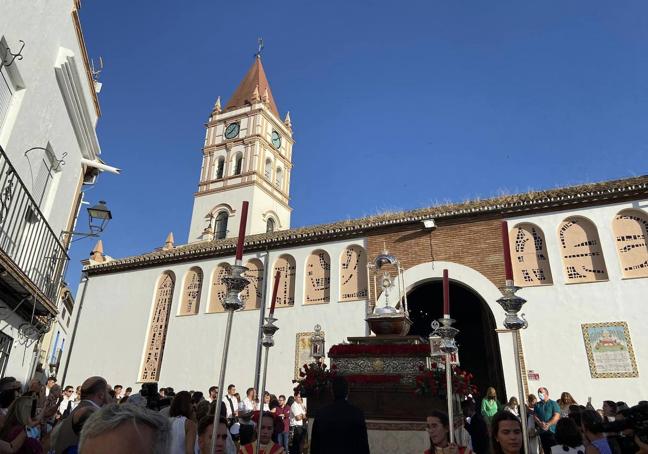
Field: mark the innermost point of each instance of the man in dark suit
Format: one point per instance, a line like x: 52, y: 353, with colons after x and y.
x: 339, y: 427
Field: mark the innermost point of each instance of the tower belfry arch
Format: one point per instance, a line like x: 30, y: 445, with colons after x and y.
x: 247, y: 155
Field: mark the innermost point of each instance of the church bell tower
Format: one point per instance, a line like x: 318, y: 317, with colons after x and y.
x: 247, y: 156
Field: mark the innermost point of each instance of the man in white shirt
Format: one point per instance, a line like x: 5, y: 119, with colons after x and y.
x: 231, y: 403
x: 66, y: 404
x: 250, y: 402
x: 297, y: 417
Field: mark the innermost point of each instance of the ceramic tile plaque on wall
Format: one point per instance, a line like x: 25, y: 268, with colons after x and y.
x: 609, y: 350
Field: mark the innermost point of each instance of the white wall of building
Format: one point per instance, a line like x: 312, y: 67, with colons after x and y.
x: 553, y: 343
x: 52, y: 107
x: 116, y: 313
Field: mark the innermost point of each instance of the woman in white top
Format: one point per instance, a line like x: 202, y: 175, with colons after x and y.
x: 183, y: 426
x: 513, y: 407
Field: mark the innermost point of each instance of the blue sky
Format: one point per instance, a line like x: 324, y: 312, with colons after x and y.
x: 395, y: 105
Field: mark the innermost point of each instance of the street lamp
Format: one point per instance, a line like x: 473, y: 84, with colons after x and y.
x: 98, y: 217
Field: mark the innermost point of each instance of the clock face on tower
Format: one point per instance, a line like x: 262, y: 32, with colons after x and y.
x: 232, y: 130
x: 276, y: 139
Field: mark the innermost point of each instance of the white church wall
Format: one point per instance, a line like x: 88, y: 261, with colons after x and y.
x: 553, y: 343
x: 194, y: 343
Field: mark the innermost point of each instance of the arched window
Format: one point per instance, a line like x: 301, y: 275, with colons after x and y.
x: 191, y: 291
x: 353, y: 274
x: 251, y: 296
x: 270, y: 225
x: 630, y: 229
x: 220, y: 168
x: 220, y: 225
x: 286, y: 293
x: 317, y: 281
x: 154, y: 348
x: 581, y: 251
x: 530, y: 261
x: 218, y: 288
x: 279, y: 177
x: 268, y: 169
x: 238, y: 164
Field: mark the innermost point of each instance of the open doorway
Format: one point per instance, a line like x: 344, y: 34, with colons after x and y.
x: 479, y: 351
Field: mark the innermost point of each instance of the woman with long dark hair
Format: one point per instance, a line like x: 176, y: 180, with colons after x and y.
x: 438, y: 429
x: 183, y: 426
x: 506, y: 434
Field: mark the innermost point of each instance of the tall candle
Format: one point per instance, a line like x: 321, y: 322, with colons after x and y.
x: 241, y: 235
x: 446, y: 294
x: 508, y: 267
x: 274, y: 292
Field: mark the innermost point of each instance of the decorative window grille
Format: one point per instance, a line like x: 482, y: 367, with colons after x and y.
x: 251, y: 296
x: 630, y: 229
x: 154, y: 348
x: 353, y: 274
x: 286, y: 293
x: 220, y: 228
x: 529, y: 256
x: 318, y: 278
x: 5, y: 349
x: 219, y: 289
x: 581, y: 251
x: 191, y: 292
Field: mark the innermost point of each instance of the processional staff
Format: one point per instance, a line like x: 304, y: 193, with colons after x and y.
x: 269, y: 329
x: 235, y: 283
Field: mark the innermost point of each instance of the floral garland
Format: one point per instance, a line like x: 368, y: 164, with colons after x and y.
x: 341, y: 350
x: 433, y: 382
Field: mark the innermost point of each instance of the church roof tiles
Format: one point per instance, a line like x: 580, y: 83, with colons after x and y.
x: 504, y: 206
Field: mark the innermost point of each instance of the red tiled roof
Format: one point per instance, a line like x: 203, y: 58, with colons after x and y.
x: 243, y: 95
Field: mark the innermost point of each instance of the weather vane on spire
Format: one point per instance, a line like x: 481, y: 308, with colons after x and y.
x: 260, y: 47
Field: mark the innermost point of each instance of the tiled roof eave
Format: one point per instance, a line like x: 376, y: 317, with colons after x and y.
x: 535, y: 201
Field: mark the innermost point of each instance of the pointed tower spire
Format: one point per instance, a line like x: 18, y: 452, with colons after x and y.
x: 287, y: 121
x: 255, y: 81
x: 97, y: 254
x: 217, y: 106
x: 168, y: 244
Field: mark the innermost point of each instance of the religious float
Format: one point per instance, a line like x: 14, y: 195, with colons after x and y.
x: 394, y: 378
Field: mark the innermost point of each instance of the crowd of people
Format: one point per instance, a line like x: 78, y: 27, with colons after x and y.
x: 553, y: 427
x: 97, y: 418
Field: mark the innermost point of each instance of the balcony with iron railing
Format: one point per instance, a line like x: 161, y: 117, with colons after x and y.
x: 32, y: 258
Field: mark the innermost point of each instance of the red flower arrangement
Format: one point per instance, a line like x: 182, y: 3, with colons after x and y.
x: 433, y: 381
x: 342, y: 350
x: 314, y: 379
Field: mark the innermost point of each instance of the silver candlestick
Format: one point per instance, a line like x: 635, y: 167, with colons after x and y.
x: 235, y: 283
x: 444, y: 329
x: 269, y: 329
x: 514, y: 321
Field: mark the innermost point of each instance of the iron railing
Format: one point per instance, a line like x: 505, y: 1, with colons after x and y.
x: 26, y: 237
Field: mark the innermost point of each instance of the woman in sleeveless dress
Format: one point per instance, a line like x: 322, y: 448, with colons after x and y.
x: 183, y: 426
